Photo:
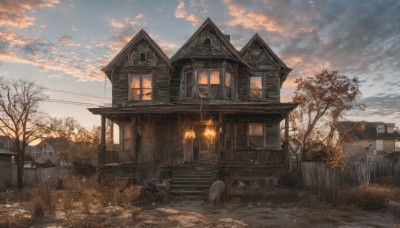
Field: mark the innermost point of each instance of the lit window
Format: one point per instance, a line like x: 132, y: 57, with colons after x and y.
x: 209, y: 83
x: 256, y: 135
x: 256, y: 92
x: 141, y: 87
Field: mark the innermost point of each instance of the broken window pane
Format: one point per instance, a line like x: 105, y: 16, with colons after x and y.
x: 203, y: 91
x: 141, y: 87
x: 256, y: 88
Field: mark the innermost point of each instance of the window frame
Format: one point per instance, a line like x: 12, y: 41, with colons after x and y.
x: 145, y: 57
x: 140, y: 88
x: 246, y: 133
x: 222, y: 87
x: 262, y: 90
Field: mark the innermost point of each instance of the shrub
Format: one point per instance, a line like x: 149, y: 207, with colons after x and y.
x: 289, y: 180
x: 367, y: 197
x: 37, y: 207
x: 45, y: 193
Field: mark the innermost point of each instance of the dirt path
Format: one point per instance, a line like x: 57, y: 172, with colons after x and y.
x: 195, y: 214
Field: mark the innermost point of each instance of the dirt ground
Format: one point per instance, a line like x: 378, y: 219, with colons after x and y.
x: 194, y: 213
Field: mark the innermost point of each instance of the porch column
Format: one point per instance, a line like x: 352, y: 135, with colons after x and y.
x: 102, y: 146
x: 286, y: 143
x: 220, y: 135
x: 134, y: 138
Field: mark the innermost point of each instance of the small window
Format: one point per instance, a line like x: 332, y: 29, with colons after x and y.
x: 142, y: 57
x: 256, y: 55
x: 256, y: 135
x: 256, y: 92
x: 141, y: 87
x: 381, y: 128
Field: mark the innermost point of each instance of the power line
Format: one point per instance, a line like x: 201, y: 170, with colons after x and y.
x: 81, y: 94
x: 73, y: 103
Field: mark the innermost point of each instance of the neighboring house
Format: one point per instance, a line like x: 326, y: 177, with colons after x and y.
x: 368, y: 139
x: 6, y: 160
x: 207, y: 105
x: 50, y: 151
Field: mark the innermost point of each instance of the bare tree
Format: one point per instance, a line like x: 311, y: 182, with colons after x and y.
x: 20, y: 118
x: 323, y: 100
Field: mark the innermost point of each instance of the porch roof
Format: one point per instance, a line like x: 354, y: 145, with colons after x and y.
x: 231, y: 108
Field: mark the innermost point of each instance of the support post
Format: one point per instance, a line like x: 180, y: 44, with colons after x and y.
x: 220, y: 135
x: 102, y: 146
x: 286, y: 143
x: 134, y: 138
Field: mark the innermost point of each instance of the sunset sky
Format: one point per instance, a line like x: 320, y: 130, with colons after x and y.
x: 63, y: 44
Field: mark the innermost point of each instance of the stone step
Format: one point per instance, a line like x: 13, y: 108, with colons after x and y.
x: 190, y: 185
x: 187, y: 192
x: 183, y: 181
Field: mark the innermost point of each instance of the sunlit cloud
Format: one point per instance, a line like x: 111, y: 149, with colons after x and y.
x: 66, y: 40
x: 139, y: 16
x: 181, y: 13
x: 15, y: 13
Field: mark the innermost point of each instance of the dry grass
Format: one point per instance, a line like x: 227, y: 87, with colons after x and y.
x: 38, y: 207
x: 368, y: 197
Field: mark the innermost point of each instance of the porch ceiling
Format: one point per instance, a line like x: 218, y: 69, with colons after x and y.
x: 232, y: 108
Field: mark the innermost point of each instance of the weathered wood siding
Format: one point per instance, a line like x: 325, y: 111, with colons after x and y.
x: 131, y: 65
x: 205, y: 44
x: 264, y: 65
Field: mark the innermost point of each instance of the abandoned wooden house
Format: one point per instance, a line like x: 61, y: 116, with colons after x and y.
x: 207, y: 108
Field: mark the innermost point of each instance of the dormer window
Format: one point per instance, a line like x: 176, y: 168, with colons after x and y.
x: 380, y: 128
x: 140, y: 87
x: 256, y: 88
x: 142, y: 57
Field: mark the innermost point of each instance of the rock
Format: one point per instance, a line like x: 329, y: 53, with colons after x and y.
x: 217, y: 191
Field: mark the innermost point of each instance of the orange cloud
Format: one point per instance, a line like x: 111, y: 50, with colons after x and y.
x: 116, y: 24
x: 181, y: 12
x: 139, y: 16
x: 14, y: 13
x: 67, y: 41
x: 258, y: 21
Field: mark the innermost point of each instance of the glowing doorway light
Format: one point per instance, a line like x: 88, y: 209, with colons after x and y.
x: 209, y: 132
x: 189, y: 134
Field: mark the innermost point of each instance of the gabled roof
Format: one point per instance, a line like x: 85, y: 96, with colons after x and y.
x: 207, y: 24
x: 364, y: 130
x: 277, y: 60
x: 141, y: 35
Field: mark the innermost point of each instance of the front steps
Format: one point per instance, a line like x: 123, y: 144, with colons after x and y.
x: 193, y: 181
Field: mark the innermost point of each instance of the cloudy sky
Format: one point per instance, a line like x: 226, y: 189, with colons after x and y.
x: 62, y: 44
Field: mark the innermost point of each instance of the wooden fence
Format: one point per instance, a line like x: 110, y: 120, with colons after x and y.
x: 33, y: 176
x: 316, y: 173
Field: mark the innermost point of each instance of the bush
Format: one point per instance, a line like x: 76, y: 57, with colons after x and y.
x: 37, y: 207
x: 290, y: 180
x: 368, y: 197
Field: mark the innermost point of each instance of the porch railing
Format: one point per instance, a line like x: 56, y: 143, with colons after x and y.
x: 110, y: 157
x: 262, y: 157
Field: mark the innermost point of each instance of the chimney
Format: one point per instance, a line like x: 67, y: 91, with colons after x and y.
x: 228, y: 37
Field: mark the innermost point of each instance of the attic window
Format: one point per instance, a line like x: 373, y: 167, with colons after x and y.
x: 142, y: 57
x: 256, y: 55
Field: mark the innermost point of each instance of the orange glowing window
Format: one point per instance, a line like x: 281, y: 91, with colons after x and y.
x: 141, y: 87
x: 256, y: 92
